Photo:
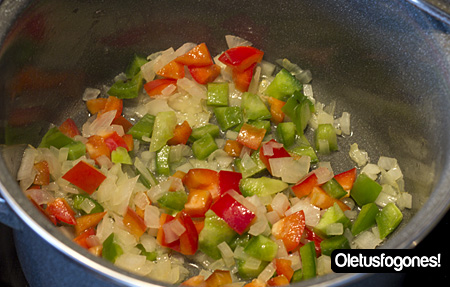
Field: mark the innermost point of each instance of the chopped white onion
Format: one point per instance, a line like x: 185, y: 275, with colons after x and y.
x: 235, y: 41
x: 367, y: 240
x: 312, y: 212
x: 404, y: 200
x: 193, y: 88
x: 324, y: 265
x: 359, y: 156
x: 387, y: 163
x: 267, y: 273
x: 227, y: 253
x: 90, y: 94
x: 323, y: 174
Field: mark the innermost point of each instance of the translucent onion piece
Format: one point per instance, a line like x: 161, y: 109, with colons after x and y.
x: 141, y: 200
x: 367, y: 240
x: 280, y: 204
x: 172, y: 230
x: 252, y: 263
x: 267, y: 68
x: 235, y: 41
x: 359, y: 156
x: 404, y: 200
x: 192, y: 88
x: 90, y: 94
x: 267, y: 273
x: 324, y: 265
x: 387, y: 163
x: 323, y: 174
x: 40, y: 196
x: 227, y: 253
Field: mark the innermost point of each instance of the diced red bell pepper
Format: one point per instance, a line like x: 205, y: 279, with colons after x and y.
x: 155, y: 87
x: 283, y: 267
x: 323, y: 200
x: 233, y: 148
x: 42, y: 210
x: 181, y: 134
x: 199, y: 56
x: 113, y: 141
x: 236, y: 215
x: 242, y: 79
x: 240, y: 58
x: 134, y: 223
x: 198, y: 280
x: 187, y: 243
x: 42, y: 173
x: 88, y: 221
x: 202, y: 178
x: 112, y: 104
x: 290, y: 229
x: 275, y: 110
x: 278, y: 151
x: 61, y: 210
x: 279, y: 280
x: 198, y: 202
x: 85, y: 176
x: 206, y: 74
x: 95, y: 105
x: 346, y: 178
x: 310, y: 235
x: 199, y: 224
x: 189, y: 239
x: 173, y: 70
x: 128, y: 139
x: 122, y: 121
x: 229, y: 180
x: 69, y: 128
x: 251, y: 136
x: 305, y: 185
x: 219, y: 278
x: 179, y: 174
x: 97, y: 147
x: 81, y: 238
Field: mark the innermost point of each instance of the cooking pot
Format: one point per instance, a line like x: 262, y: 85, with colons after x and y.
x: 386, y: 62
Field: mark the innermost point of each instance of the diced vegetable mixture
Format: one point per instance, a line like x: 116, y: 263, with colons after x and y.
x: 197, y: 170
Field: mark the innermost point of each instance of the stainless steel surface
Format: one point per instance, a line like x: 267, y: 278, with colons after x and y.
x: 383, y: 61
x: 437, y: 8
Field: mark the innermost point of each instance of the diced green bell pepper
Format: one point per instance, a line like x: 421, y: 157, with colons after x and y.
x: 111, y: 250
x: 327, y: 133
x: 334, y: 189
x: 336, y: 242
x: 365, y: 190
x: 299, y: 109
x: 388, y: 219
x: 162, y: 161
x: 254, y: 108
x: 217, y: 94
x: 173, y: 200
x: 144, y: 127
x: 214, y: 232
x: 228, y: 117
x: 128, y: 89
x: 333, y: 214
x: 246, y: 273
x: 261, y: 186
x: 283, y: 85
x: 78, y: 199
x: 286, y: 133
x: 76, y: 150
x: 308, y: 256
x: 303, y: 147
x: 165, y: 123
x: 54, y: 137
x: 242, y: 240
x: 204, y: 146
x: 199, y: 132
x: 297, y: 276
x: 121, y: 155
x: 262, y: 248
x: 135, y: 66
x: 151, y: 256
x: 365, y: 219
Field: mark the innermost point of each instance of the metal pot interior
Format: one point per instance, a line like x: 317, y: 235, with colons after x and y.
x: 385, y: 62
